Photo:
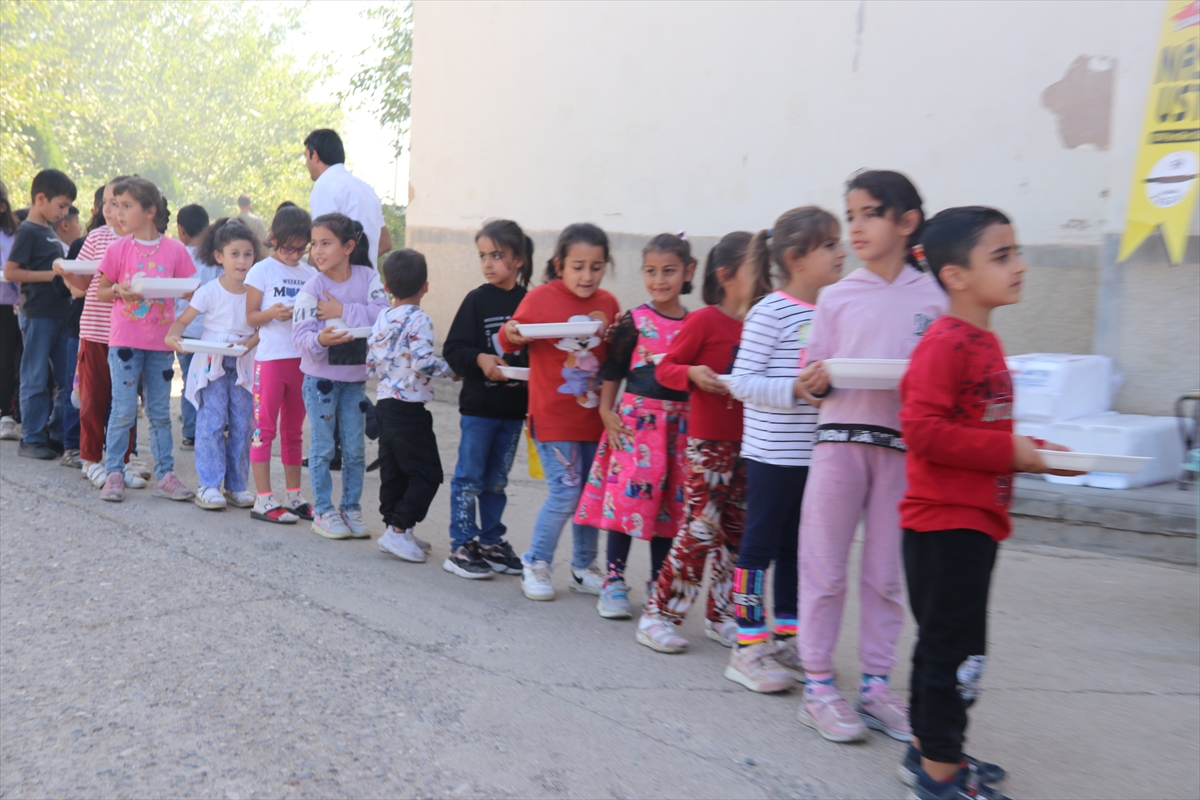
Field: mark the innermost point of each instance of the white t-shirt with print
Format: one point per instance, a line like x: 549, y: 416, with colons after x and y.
x: 278, y: 283
x: 224, y: 313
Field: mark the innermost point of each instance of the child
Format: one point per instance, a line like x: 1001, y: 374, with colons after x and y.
x: 219, y: 386
x: 492, y: 407
x: 879, y: 311
x: 69, y: 234
x: 190, y: 223
x: 68, y: 229
x: 635, y: 485
x: 271, y: 291
x: 10, y: 329
x: 957, y: 422
x: 346, y: 293
x: 806, y: 250
x: 562, y: 399
x: 400, y: 357
x: 715, y: 481
x: 136, y: 342
x: 44, y: 309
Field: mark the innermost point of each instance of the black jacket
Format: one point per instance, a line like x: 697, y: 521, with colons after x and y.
x: 483, y: 312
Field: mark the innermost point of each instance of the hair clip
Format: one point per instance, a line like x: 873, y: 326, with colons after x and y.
x: 682, y: 235
x: 918, y: 253
x: 770, y: 233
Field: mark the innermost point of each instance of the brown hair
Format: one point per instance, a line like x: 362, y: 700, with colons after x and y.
x: 148, y: 195
x: 506, y: 233
x: 728, y: 254
x: 796, y: 231
x: 8, y: 220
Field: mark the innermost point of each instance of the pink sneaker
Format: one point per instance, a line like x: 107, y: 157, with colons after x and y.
x: 825, y: 709
x: 114, y: 488
x: 171, y: 488
x: 881, y: 709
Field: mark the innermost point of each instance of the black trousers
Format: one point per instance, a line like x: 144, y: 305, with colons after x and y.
x: 410, y: 469
x: 949, y: 574
x: 774, y: 495
x: 10, y: 361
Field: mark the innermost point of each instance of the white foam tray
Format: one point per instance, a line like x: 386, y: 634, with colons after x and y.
x: 557, y: 330
x: 515, y: 373
x: 865, y: 373
x: 157, y: 288
x: 79, y: 267
x: 1093, y: 462
x: 215, y: 348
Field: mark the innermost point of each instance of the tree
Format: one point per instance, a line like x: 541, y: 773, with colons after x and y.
x: 387, y: 82
x: 203, y: 98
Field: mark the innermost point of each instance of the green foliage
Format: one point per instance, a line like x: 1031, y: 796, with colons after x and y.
x: 203, y: 98
x: 387, y: 83
x: 394, y: 221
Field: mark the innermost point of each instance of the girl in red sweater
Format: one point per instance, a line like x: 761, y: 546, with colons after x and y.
x: 564, y: 398
x: 715, y: 480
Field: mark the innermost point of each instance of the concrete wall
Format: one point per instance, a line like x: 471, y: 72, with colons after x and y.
x: 711, y: 117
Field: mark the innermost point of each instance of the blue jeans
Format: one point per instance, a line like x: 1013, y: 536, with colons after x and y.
x: 331, y: 404
x: 224, y: 455
x: 186, y: 409
x: 485, y: 455
x: 566, y: 465
x: 68, y: 424
x: 156, y: 368
x: 46, y: 354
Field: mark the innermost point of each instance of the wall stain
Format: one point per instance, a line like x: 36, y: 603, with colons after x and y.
x: 1082, y: 102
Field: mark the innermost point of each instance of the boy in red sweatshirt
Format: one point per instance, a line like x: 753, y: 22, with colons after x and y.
x: 956, y: 419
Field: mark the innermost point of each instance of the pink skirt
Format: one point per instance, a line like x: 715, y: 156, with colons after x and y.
x: 638, y: 489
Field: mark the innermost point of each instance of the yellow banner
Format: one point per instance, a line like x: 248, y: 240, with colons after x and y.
x: 1165, y: 173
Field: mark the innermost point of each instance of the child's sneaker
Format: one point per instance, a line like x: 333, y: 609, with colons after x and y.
x: 97, y: 474
x: 269, y: 511
x: 910, y: 768
x: 134, y: 481
x: 614, y: 601
x: 723, y: 633
x: 659, y: 635
x: 139, y: 468
x: 788, y: 657
x: 8, y: 429
x: 114, y: 487
x: 587, y: 581
x: 401, y: 545
x: 358, y: 528
x: 535, y: 580
x: 71, y: 459
x: 330, y: 526
x: 187, y: 444
x: 824, y: 709
x: 468, y: 562
x: 241, y: 499
x: 171, y: 488
x: 210, y: 499
x: 964, y: 786
x: 754, y: 667
x: 881, y: 709
x: 501, y: 558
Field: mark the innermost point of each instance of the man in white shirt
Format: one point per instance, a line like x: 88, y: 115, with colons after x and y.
x: 335, y: 189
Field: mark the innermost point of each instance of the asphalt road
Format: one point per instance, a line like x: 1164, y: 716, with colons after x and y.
x: 155, y: 649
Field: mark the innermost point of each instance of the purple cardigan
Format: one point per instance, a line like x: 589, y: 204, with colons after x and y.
x: 362, y: 298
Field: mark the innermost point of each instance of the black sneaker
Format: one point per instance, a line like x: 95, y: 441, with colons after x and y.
x: 966, y: 786
x: 466, y: 562
x: 27, y: 450
x: 501, y: 558
x: 187, y: 444
x: 910, y: 767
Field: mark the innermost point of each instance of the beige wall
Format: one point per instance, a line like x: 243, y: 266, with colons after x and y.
x: 711, y: 117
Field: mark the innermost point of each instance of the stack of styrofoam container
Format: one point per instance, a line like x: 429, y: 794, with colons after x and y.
x: 1066, y: 399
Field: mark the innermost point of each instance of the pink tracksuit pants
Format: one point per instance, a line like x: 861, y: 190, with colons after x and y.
x: 847, y: 482
x: 277, y: 396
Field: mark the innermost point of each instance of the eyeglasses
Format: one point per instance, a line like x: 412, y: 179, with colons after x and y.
x: 292, y: 251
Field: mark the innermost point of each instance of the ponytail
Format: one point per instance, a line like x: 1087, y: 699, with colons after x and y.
x: 346, y: 229
x: 361, y: 254
x: 728, y: 254
x: 797, y: 231
x: 760, y: 258
x: 221, y: 233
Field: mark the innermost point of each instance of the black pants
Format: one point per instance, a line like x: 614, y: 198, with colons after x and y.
x: 772, y: 532
x: 949, y: 574
x: 410, y: 469
x: 10, y: 361
x: 618, y: 553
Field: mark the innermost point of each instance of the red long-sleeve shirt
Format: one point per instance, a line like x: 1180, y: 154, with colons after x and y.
x: 956, y: 418
x: 564, y: 381
x: 709, y: 338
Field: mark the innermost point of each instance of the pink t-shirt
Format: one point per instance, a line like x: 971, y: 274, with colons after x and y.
x: 144, y: 325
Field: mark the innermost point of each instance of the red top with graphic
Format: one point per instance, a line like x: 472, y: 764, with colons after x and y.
x: 956, y: 418
x: 143, y: 325
x: 709, y: 337
x: 564, y: 380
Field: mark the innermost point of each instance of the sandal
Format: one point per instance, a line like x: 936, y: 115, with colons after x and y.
x: 276, y: 513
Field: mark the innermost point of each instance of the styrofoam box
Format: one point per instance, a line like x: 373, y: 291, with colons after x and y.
x: 1122, y: 435
x: 1053, y: 387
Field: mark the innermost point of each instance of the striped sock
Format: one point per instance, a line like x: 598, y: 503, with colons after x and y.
x: 748, y: 606
x: 785, y: 626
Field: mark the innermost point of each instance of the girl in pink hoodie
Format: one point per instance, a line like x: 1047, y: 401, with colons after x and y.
x: 857, y: 470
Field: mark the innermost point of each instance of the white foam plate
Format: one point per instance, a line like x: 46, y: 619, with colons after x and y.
x: 865, y: 373
x: 1093, y: 462
x: 79, y: 267
x: 155, y: 288
x: 215, y: 348
x: 359, y: 333
x: 515, y: 373
x: 726, y: 379
x: 557, y: 330
x: 656, y: 358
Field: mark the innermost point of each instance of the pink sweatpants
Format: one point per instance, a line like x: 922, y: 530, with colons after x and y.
x: 845, y: 482
x: 277, y: 386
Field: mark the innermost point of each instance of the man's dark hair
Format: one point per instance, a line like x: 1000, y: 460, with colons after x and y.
x: 52, y: 183
x: 951, y: 235
x: 327, y: 145
x: 243, y: 201
x: 404, y: 273
x: 193, y: 219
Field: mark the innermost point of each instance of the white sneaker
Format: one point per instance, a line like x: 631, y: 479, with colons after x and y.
x: 401, y: 545
x: 358, y: 528
x: 535, y: 580
x: 208, y: 498
x: 134, y: 480
x: 587, y: 581
x: 8, y: 430
x: 139, y: 468
x: 330, y: 526
x: 97, y: 474
x: 723, y: 633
